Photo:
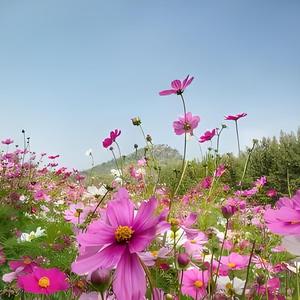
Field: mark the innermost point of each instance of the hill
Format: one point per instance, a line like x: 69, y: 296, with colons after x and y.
x: 163, y: 153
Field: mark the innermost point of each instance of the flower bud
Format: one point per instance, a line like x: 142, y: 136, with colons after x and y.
x: 149, y: 138
x: 101, y: 279
x: 183, y: 260
x: 228, y: 211
x: 136, y: 121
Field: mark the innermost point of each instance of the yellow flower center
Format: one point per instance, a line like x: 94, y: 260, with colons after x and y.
x: 154, y: 253
x: 174, y: 222
x: 80, y: 284
x: 231, y: 265
x: 123, y: 234
x: 198, y: 284
x: 44, y: 282
x: 229, y: 286
x: 193, y: 241
x: 27, y: 261
x: 76, y: 214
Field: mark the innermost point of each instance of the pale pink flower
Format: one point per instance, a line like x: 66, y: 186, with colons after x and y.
x: 186, y: 124
x: 194, y: 283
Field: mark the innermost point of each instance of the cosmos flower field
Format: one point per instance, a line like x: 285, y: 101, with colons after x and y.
x: 63, y: 236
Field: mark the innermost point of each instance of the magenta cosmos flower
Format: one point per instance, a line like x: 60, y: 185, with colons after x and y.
x: 186, y: 124
x: 114, y: 242
x: 44, y: 281
x: 7, y: 141
x: 194, y: 283
x: 235, y: 117
x: 235, y: 261
x: 112, y: 138
x: 207, y: 136
x: 286, y: 219
x: 177, y: 86
x: 26, y: 263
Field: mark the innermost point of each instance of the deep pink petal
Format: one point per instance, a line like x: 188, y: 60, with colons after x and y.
x: 102, y: 238
x: 120, y: 211
x: 176, y: 84
x: 167, y: 92
x: 145, y: 217
x: 106, y: 258
x: 129, y: 280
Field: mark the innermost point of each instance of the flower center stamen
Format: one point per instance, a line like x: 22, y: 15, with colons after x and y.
x: 231, y: 265
x: 187, y: 126
x: 123, y: 234
x: 198, y: 284
x: 44, y: 282
x: 27, y: 261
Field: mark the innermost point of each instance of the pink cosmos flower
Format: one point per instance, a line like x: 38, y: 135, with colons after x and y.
x: 76, y: 213
x: 194, y: 283
x: 286, y: 219
x: 43, y: 281
x: 7, y: 141
x: 260, y: 182
x: 177, y: 86
x: 207, y: 136
x: 194, y: 246
x: 247, y: 193
x: 26, y: 262
x: 150, y: 257
x: 235, y: 261
x: 53, y: 156
x: 41, y: 195
x: 186, y: 124
x: 220, y: 171
x: 271, y: 193
x: 271, y: 288
x: 112, y: 138
x: 235, y: 117
x: 114, y: 242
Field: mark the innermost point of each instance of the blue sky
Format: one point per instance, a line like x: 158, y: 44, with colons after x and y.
x: 70, y: 71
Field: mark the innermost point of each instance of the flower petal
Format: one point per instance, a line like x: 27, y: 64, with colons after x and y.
x: 129, y: 282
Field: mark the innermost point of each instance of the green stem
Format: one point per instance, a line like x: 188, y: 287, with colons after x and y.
x: 248, y: 269
x: 120, y: 155
x: 116, y: 161
x: 221, y: 252
x: 297, y: 280
x: 246, y: 164
x: 101, y: 200
x: 237, y: 136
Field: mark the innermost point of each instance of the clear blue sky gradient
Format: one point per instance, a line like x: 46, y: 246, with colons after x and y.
x: 70, y: 71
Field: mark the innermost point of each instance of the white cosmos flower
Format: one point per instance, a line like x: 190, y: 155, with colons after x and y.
x: 28, y: 237
x: 23, y: 198
x: 225, y: 284
x: 179, y: 236
x: 115, y: 173
x: 294, y: 265
x: 97, y: 192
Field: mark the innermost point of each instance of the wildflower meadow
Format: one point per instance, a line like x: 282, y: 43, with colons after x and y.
x: 147, y: 233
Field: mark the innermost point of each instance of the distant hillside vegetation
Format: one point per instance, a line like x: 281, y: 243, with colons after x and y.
x: 163, y: 153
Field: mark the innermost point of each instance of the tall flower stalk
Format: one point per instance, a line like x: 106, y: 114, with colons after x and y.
x: 235, y: 118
